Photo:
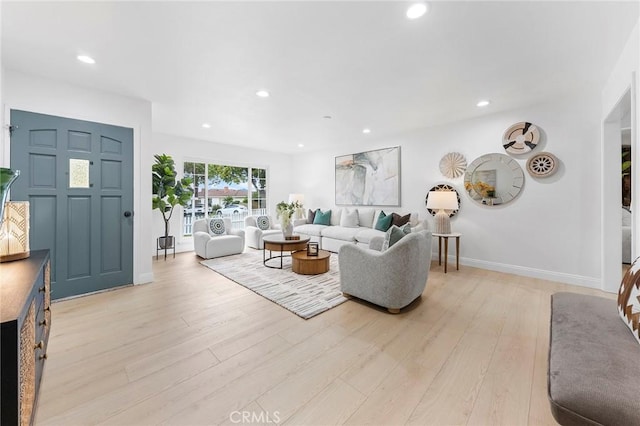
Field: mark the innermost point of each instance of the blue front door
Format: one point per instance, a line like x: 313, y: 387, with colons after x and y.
x: 78, y: 179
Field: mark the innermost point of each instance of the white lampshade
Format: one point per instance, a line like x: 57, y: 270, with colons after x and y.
x: 296, y: 197
x: 441, y: 201
x: 300, y: 199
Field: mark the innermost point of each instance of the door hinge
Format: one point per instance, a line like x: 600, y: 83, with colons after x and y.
x: 11, y: 129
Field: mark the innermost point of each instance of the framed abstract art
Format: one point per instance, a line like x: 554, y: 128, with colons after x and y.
x: 370, y: 178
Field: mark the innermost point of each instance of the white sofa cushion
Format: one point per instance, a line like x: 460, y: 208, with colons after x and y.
x: 310, y: 229
x: 340, y: 233
x: 364, y: 235
x: 349, y: 219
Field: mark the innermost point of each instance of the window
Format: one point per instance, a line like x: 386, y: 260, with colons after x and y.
x: 225, y: 191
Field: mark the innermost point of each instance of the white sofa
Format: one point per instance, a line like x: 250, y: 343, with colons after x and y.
x: 332, y: 237
x: 254, y: 235
x: 208, y: 245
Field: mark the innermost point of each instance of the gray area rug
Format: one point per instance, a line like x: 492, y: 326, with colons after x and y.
x: 304, y: 295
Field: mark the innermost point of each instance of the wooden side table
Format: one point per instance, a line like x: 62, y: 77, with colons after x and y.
x: 446, y: 237
x: 310, y: 265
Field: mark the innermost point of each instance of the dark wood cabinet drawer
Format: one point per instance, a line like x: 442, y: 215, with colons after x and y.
x: 24, y: 332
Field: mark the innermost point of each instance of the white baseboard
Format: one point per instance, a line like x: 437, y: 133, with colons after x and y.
x: 144, y: 278
x: 527, y: 272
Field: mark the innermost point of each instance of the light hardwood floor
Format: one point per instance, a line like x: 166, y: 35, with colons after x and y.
x: 196, y: 348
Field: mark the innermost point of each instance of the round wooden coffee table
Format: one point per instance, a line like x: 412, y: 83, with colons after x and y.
x: 279, y: 243
x: 304, y: 264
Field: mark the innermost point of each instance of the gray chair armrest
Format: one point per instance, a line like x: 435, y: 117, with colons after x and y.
x: 376, y: 243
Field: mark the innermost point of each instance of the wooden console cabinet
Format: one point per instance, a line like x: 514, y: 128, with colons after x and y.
x: 25, y: 314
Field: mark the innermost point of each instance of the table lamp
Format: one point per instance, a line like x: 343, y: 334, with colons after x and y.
x: 441, y: 201
x: 299, y: 198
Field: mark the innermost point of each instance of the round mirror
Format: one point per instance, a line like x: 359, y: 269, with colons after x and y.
x: 493, y: 179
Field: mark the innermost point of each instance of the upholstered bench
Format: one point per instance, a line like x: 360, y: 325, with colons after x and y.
x: 594, y: 363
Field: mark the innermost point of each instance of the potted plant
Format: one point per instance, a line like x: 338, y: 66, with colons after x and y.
x: 284, y: 211
x: 168, y: 192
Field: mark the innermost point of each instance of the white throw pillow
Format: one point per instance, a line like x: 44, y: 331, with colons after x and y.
x: 216, y: 227
x: 365, y: 217
x: 349, y: 219
x: 263, y: 223
x: 335, y: 217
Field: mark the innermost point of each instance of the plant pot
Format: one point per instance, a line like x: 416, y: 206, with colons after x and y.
x: 166, y: 242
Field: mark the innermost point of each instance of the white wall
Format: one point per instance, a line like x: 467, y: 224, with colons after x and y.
x: 550, y: 231
x: 278, y: 166
x: 39, y: 95
x: 623, y: 79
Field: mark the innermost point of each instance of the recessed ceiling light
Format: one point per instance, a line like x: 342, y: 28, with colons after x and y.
x: 262, y: 93
x: 483, y: 103
x: 206, y: 125
x: 86, y: 59
x: 416, y: 10
x: 366, y: 131
x: 300, y: 145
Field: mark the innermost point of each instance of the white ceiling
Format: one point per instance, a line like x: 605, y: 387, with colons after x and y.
x: 363, y: 63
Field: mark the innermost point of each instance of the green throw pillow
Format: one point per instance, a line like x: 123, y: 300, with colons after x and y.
x: 395, y: 234
x: 322, y: 218
x: 384, y: 222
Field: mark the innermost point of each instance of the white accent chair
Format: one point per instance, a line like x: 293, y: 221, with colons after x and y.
x: 255, y: 235
x: 392, y: 278
x: 209, y: 246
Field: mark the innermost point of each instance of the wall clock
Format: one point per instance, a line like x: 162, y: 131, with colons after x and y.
x: 542, y: 165
x: 521, y: 138
x: 443, y: 187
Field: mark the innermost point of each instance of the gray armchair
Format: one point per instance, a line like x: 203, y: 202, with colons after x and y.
x: 209, y: 246
x: 392, y: 278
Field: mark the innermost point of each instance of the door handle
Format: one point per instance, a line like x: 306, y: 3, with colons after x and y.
x: 128, y: 214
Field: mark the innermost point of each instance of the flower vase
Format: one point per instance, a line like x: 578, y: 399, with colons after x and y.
x: 287, y: 229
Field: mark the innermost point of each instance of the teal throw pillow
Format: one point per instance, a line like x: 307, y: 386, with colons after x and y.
x: 395, y: 234
x: 384, y: 222
x: 322, y: 218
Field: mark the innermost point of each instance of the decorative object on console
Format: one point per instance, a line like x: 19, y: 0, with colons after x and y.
x: 312, y: 249
x: 441, y: 201
x: 14, y: 231
x: 298, y: 200
x: 7, y: 176
x: 369, y: 178
x: 542, y: 165
x: 521, y: 138
x: 443, y: 187
x: 14, y: 221
x: 629, y: 299
x: 493, y: 179
x: 453, y: 165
